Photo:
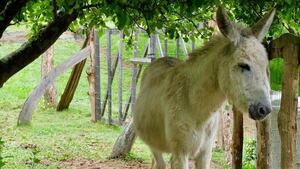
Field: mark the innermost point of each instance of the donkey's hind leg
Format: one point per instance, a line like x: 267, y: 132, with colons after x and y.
x: 158, y: 160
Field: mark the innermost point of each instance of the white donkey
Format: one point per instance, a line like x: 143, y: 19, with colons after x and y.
x: 175, y: 109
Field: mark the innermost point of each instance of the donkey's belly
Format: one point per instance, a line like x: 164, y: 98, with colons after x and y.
x: 151, y: 130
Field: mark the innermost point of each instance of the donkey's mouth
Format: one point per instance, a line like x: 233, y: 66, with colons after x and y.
x: 259, y: 111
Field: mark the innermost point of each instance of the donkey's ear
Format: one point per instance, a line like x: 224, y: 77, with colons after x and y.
x: 227, y: 28
x: 262, y: 26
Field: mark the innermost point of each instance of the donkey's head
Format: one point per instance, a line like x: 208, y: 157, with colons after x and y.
x: 243, y: 71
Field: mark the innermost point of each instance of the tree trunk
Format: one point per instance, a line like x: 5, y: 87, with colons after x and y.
x: 124, y: 142
x: 72, y: 84
x: 32, y: 49
x: 287, y: 116
x: 8, y: 10
x: 237, y: 139
x: 263, y: 148
x: 46, y: 67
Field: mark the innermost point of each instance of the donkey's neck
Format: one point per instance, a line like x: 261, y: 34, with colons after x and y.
x: 205, y: 95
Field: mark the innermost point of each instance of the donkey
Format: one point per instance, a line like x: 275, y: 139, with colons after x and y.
x: 175, y: 111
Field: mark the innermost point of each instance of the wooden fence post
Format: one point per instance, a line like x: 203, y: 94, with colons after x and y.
x: 134, y: 74
x: 177, y: 49
x: 94, y: 77
x: 185, y: 52
x: 46, y: 67
x: 120, y: 77
x: 237, y: 139
x: 152, y: 49
x: 166, y: 46
x: 109, y: 75
x: 263, y: 147
x: 159, y: 45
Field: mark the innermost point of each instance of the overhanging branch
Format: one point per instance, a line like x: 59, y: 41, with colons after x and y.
x: 9, y: 11
x: 32, y: 49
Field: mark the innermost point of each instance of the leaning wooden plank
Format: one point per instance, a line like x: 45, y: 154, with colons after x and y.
x: 72, y: 84
x: 25, y: 115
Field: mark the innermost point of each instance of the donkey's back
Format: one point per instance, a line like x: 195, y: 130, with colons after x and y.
x: 150, y: 108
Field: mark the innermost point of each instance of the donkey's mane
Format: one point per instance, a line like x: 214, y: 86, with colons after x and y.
x: 217, y: 42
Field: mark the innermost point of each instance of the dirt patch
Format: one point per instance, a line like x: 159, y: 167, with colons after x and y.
x: 110, y: 164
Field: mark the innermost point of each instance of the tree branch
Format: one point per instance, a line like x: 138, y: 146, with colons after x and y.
x: 54, y: 9
x: 32, y: 49
x: 11, y: 10
x: 3, y: 4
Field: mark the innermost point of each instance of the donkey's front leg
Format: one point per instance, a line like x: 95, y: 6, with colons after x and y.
x: 179, y: 161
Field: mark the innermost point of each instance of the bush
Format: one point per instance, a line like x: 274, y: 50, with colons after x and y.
x: 249, y: 154
x: 2, y: 162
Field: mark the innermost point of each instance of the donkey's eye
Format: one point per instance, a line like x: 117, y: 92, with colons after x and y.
x: 244, y: 66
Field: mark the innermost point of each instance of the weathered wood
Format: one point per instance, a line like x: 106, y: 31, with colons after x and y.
x: 97, y: 75
x: 152, y: 47
x: 25, y: 115
x: 109, y: 75
x: 72, y: 84
x: 192, y: 46
x: 115, y: 65
x: 228, y: 126
x: 46, y: 67
x: 137, y: 79
x: 143, y: 61
x: 287, y: 116
x: 93, y: 73
x: 185, y: 52
x: 263, y: 148
x: 177, y: 48
x: 166, y: 46
x: 124, y: 142
x: 237, y: 139
x: 159, y: 46
x: 134, y: 74
x: 120, y: 78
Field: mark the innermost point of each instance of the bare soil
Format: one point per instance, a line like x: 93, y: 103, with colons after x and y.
x: 110, y: 164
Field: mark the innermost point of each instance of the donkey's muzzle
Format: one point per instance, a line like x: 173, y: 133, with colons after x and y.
x: 259, y: 111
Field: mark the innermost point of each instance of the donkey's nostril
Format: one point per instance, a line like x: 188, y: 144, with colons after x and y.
x: 262, y: 111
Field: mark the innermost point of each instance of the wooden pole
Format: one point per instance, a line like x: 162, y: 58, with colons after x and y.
x: 237, y: 139
x: 134, y: 74
x: 151, y: 51
x: 166, y: 46
x: 263, y: 148
x: 46, y: 66
x: 159, y: 45
x: 97, y: 75
x: 91, y: 72
x: 72, y: 84
x: 287, y: 116
x: 177, y: 49
x: 109, y: 75
x: 120, y: 78
x: 185, y: 52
